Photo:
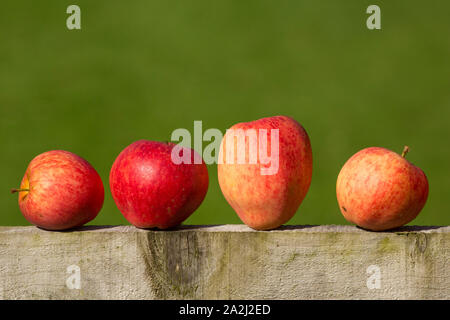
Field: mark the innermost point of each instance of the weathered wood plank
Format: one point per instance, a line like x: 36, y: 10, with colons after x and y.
x: 225, y: 262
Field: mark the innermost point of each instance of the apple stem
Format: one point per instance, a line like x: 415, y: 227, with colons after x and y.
x: 405, y: 151
x: 19, y: 190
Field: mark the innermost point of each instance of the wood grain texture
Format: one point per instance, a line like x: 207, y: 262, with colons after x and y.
x: 225, y: 262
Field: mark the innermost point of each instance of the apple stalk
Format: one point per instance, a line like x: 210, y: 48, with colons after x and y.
x: 19, y: 190
x: 405, y: 151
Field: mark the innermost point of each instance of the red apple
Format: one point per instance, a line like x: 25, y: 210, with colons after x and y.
x: 265, y: 193
x: 151, y: 190
x: 60, y: 190
x: 377, y: 189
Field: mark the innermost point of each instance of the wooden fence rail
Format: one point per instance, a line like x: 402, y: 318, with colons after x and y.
x: 225, y: 262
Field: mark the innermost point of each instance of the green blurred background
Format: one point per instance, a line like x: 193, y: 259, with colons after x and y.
x: 140, y: 69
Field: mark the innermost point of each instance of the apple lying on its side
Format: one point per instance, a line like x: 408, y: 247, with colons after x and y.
x: 151, y: 190
x: 265, y: 199
x: 60, y: 190
x: 377, y: 189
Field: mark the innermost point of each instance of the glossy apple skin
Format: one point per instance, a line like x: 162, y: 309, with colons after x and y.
x: 153, y: 192
x: 377, y: 189
x: 65, y: 191
x: 266, y: 202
